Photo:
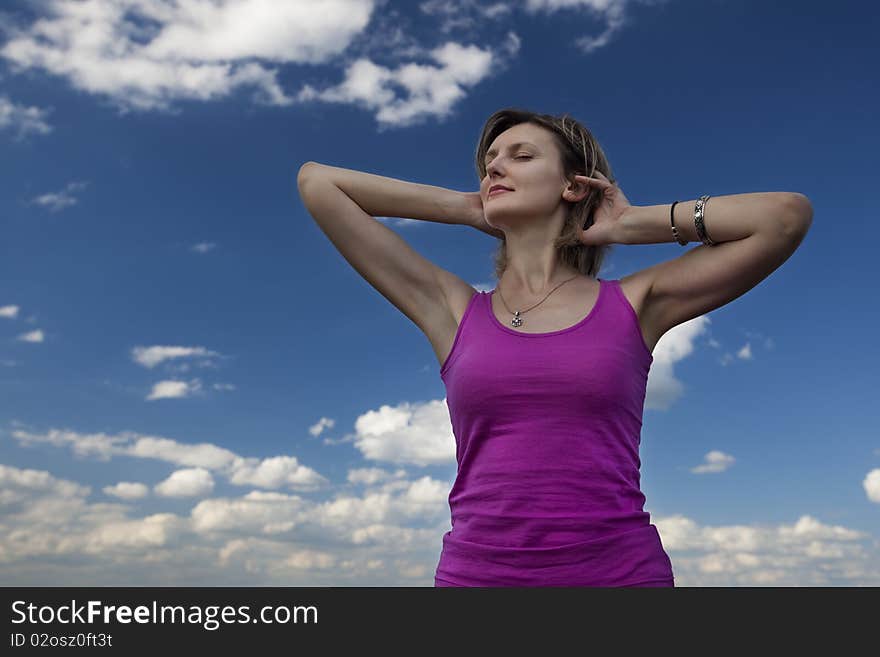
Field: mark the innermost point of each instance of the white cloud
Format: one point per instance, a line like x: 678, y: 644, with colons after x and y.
x: 16, y: 483
x: 370, y: 476
x: 463, y: 14
x: 56, y: 201
x: 872, y: 485
x: 808, y: 527
x: 664, y: 389
x: 138, y: 535
x: 49, y: 527
x: 714, y: 461
x: 806, y: 553
x: 424, y: 498
x: 271, y: 472
x: 171, y: 389
x: 145, y: 54
x: 386, y: 537
x: 612, y: 12
x: 260, y: 512
x: 274, y: 472
x: 22, y: 119
x: 98, y: 445
x: 127, y: 490
x: 395, y: 505
x: 191, y: 482
x: 766, y: 341
x: 256, y: 556
x: 512, y: 44
x: 149, y: 357
x: 204, y: 247
x: 31, y: 336
x: 9, y: 311
x: 420, y: 434
x: 202, y: 455
x: 324, y: 423
x: 496, y: 9
x: 432, y: 90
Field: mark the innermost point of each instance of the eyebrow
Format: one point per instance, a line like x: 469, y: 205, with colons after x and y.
x: 492, y: 151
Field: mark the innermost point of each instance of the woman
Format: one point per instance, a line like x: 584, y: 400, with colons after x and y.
x: 546, y: 374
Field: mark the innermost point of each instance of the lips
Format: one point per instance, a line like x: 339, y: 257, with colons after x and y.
x: 497, y: 189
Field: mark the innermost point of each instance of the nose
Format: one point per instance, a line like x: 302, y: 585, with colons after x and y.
x: 493, y: 174
x: 492, y: 166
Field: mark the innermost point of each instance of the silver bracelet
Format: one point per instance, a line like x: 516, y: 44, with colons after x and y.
x: 698, y: 221
x: 675, y: 234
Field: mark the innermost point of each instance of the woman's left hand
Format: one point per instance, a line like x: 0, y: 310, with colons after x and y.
x: 606, y: 228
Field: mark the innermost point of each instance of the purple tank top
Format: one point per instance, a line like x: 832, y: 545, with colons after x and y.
x: 547, y: 430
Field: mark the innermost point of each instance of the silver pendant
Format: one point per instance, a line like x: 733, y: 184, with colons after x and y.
x: 517, y: 320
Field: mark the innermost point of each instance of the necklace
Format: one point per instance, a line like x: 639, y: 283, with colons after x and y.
x: 517, y: 315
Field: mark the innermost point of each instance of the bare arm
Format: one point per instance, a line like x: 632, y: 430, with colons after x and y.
x: 388, y: 197
x: 416, y: 286
x: 754, y: 234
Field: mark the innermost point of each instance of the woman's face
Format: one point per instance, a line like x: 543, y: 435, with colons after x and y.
x: 525, y: 159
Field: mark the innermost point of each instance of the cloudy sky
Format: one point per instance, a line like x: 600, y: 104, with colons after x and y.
x: 197, y: 389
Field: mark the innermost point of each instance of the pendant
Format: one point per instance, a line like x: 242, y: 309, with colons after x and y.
x: 517, y: 320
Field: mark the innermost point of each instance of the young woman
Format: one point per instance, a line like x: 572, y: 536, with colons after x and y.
x: 546, y: 374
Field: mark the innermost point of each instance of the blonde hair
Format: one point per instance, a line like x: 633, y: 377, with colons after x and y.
x: 582, y: 155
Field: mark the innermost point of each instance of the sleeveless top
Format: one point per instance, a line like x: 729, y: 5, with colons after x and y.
x: 547, y: 430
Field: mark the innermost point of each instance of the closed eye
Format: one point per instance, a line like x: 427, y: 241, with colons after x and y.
x: 518, y: 157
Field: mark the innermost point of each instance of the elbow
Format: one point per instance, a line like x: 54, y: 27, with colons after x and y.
x: 797, y: 216
x: 305, y: 169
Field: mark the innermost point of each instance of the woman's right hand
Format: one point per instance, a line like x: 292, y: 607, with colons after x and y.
x: 476, y: 217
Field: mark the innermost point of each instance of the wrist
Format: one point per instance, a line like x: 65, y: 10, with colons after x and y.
x: 469, y: 210
x: 650, y: 224
x: 623, y: 228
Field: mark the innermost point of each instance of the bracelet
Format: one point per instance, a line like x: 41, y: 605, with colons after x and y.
x: 699, y: 224
x: 675, y: 234
x: 698, y: 221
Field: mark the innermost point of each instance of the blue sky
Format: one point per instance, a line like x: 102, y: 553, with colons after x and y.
x: 196, y: 388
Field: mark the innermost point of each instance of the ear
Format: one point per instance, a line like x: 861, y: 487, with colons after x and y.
x: 576, y: 191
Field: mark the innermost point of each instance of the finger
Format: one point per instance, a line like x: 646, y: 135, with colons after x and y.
x: 605, y: 178
x: 601, y: 183
x: 590, y: 237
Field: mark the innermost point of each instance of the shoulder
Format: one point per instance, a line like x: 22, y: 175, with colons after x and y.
x: 442, y: 326
x: 636, y: 287
x: 457, y: 293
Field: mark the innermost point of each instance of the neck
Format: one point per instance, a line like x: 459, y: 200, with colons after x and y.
x: 533, y: 265
x: 535, y: 278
